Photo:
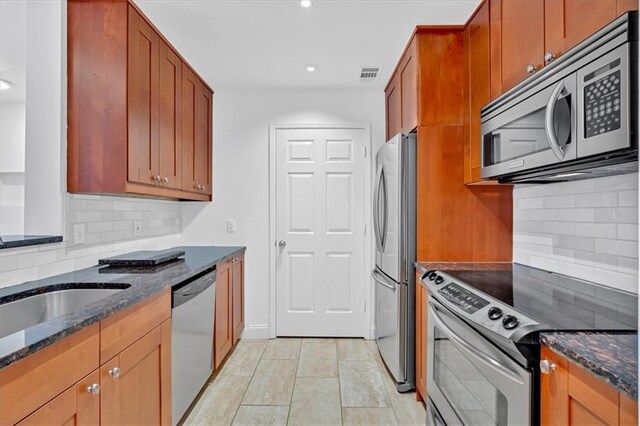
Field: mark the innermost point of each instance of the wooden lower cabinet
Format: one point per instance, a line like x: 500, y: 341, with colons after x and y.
x: 572, y: 396
x: 229, y: 322
x: 422, y: 306
x: 78, y: 405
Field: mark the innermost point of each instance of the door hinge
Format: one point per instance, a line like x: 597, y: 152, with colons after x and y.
x: 364, y: 151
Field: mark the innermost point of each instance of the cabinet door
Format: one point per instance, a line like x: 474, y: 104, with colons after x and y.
x: 517, y: 41
x: 421, y: 340
x: 553, y: 390
x: 237, y: 277
x: 409, y: 90
x: 142, y: 92
x: 139, y: 392
x: 170, y: 129
x: 196, y: 133
x: 568, y: 22
x: 393, y: 107
x: 479, y: 88
x: 591, y: 401
x: 223, y: 326
x: 75, y: 406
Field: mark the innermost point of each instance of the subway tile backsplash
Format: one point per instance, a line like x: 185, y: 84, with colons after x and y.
x: 108, y: 223
x: 587, y: 229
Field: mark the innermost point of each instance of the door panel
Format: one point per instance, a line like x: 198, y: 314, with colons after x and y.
x: 143, y: 75
x: 238, y: 298
x: 393, y: 96
x: 170, y: 130
x: 320, y: 214
x: 223, y: 339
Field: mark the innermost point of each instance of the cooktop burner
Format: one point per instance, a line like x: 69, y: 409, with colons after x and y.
x: 554, y: 300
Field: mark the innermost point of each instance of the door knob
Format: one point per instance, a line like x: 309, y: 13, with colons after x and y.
x: 282, y: 244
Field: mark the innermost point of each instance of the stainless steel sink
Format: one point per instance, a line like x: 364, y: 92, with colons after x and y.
x: 31, y: 310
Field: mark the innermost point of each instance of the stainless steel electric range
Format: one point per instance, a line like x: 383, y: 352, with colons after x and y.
x: 483, y: 337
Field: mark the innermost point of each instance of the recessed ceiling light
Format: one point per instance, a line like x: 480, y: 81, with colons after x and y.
x: 4, y: 85
x: 310, y: 67
x: 306, y: 3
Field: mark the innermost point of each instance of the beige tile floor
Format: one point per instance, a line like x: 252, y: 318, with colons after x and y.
x: 308, y: 381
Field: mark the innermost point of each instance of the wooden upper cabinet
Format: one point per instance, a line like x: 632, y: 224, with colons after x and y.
x: 568, y: 22
x: 197, y: 116
x: 409, y: 89
x: 478, y: 69
x: 517, y: 42
x: 393, y: 98
x: 140, y: 393
x: 170, y: 118
x: 223, y: 339
x: 125, y: 107
x: 237, y: 279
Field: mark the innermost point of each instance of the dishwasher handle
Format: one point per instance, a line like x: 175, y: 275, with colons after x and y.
x: 191, y: 288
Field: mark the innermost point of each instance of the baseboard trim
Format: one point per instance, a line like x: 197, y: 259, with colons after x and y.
x: 257, y: 331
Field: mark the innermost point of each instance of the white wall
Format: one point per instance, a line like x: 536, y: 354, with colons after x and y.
x: 586, y: 229
x: 12, y: 144
x: 241, y: 173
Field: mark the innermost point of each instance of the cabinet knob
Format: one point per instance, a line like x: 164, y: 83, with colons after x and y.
x: 531, y: 69
x: 94, y: 389
x: 165, y: 179
x: 158, y: 178
x: 548, y: 57
x: 547, y: 367
x: 114, y: 372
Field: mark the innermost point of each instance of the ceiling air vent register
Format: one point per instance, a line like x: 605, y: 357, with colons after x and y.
x: 369, y: 73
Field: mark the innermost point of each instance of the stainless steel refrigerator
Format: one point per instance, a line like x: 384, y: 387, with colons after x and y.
x: 394, y: 223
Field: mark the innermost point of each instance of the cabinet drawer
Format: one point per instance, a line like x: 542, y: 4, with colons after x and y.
x: 28, y: 384
x: 123, y: 328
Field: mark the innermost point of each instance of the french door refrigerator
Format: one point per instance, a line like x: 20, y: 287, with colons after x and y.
x: 394, y: 223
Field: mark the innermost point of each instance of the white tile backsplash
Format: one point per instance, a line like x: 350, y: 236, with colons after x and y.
x: 108, y: 225
x: 586, y: 229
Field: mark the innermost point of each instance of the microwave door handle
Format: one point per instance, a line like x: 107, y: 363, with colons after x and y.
x: 383, y: 233
x: 376, y: 213
x: 556, y: 95
x: 475, y: 353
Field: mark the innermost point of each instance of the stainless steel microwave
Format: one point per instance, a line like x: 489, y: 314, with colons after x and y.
x: 577, y: 118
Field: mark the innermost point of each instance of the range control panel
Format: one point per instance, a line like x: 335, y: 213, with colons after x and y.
x: 462, y: 297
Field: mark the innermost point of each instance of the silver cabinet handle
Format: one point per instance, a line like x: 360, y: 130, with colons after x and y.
x: 531, y: 69
x: 158, y: 178
x: 547, y: 367
x: 165, y: 179
x: 548, y: 121
x: 114, y: 372
x: 549, y: 57
x: 282, y: 244
x: 94, y: 389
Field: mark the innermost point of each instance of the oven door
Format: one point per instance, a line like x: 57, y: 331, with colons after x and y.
x: 538, y: 131
x: 471, y: 382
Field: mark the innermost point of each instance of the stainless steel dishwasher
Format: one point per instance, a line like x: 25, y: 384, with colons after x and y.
x: 193, y: 310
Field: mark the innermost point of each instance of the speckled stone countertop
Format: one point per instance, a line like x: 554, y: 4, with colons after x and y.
x: 612, y: 357
x: 463, y: 266
x: 141, y: 283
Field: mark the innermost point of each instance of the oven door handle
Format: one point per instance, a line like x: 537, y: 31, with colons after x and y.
x: 476, y: 353
x: 548, y: 121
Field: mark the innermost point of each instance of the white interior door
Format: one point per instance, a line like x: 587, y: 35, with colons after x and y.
x: 320, y: 224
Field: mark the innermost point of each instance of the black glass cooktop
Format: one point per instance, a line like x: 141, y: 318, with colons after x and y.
x: 561, y: 302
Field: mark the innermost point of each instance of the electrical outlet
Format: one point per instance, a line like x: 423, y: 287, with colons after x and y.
x: 231, y: 226
x: 78, y: 233
x: 137, y: 228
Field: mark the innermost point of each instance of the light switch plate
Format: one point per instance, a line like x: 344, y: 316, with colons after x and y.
x: 137, y: 228
x: 78, y: 233
x: 231, y: 226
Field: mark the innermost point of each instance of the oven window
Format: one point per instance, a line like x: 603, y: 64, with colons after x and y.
x: 474, y: 398
x: 526, y: 135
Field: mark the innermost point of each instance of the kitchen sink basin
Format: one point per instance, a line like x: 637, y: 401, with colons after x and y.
x: 34, y: 309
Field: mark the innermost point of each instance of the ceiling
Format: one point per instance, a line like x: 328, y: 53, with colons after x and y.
x: 264, y: 44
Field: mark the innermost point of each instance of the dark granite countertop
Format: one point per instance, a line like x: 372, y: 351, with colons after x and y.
x: 610, y: 356
x: 143, y: 283
x: 12, y: 241
x: 463, y: 266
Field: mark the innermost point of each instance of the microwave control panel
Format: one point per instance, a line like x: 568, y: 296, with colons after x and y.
x: 602, y: 105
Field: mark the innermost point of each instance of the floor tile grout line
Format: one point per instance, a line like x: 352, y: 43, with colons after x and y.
x: 295, y: 380
x: 248, y: 383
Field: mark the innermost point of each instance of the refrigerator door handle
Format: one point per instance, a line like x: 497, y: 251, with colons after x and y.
x: 385, y: 224
x: 376, y: 210
x: 381, y: 280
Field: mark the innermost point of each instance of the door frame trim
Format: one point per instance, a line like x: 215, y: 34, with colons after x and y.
x: 367, y: 325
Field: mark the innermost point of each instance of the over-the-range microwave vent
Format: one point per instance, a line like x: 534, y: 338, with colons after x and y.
x: 368, y: 74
